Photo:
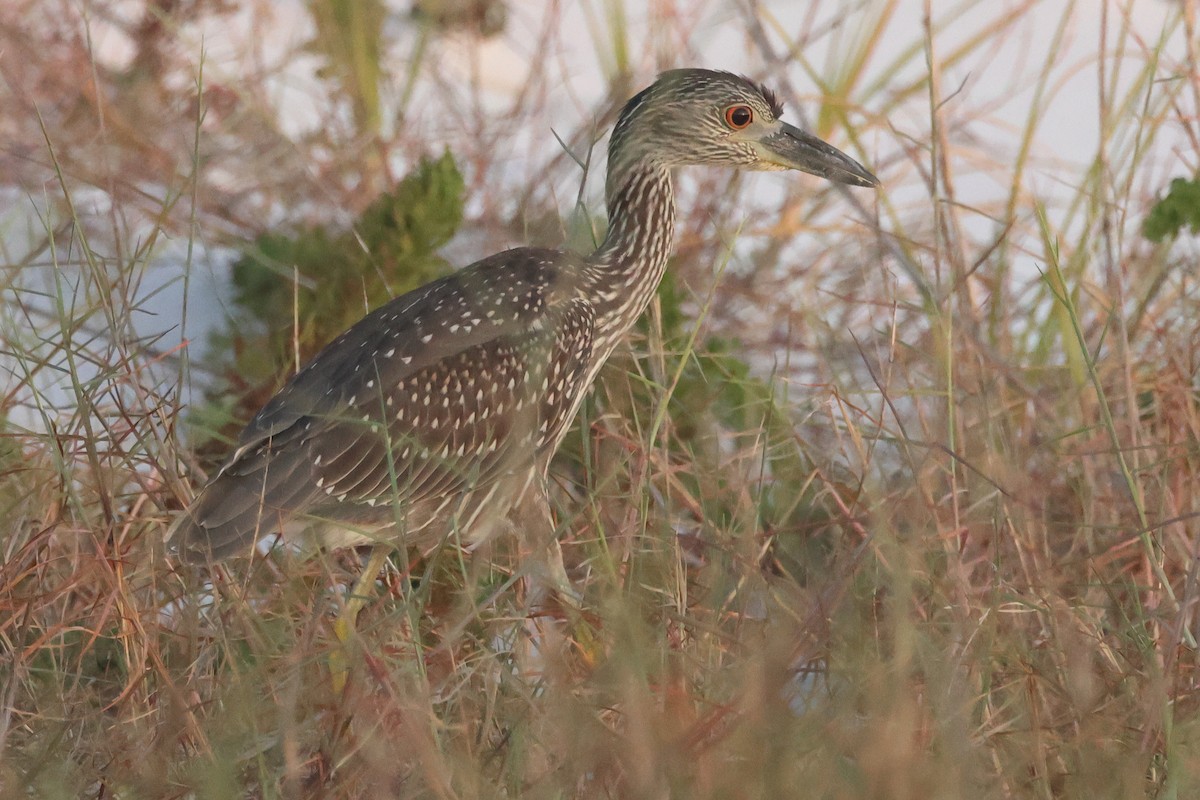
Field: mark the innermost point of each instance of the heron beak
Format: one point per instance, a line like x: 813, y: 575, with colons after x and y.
x: 791, y: 148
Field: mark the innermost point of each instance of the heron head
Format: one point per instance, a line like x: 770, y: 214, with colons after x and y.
x: 698, y: 116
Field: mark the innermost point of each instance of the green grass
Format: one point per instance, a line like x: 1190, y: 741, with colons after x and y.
x: 903, y: 507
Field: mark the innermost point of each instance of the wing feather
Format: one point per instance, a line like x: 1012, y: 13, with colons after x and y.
x: 466, y: 405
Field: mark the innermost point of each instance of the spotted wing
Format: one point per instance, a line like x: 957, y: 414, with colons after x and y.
x: 439, y: 392
x: 455, y: 426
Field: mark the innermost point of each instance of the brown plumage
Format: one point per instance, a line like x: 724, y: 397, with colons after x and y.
x: 440, y: 410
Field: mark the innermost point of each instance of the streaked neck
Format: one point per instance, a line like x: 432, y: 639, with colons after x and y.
x: 629, y: 264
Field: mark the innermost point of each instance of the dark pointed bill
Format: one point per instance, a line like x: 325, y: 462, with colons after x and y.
x: 796, y: 149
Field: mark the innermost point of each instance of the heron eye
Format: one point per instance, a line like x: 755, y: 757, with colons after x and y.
x: 738, y: 117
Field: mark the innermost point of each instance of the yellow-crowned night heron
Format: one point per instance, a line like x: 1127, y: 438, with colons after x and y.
x: 440, y: 411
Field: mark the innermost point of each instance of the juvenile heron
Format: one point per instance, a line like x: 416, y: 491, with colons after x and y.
x: 439, y: 412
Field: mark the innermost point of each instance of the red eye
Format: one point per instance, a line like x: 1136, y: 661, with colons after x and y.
x: 738, y: 117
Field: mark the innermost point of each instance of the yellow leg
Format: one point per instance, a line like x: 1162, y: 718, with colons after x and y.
x: 343, y: 626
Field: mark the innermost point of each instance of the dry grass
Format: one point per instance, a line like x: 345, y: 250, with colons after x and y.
x: 952, y: 553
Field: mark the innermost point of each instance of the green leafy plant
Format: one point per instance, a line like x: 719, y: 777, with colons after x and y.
x: 296, y: 291
x: 1178, y: 210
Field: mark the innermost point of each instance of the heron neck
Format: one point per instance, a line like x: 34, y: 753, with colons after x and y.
x: 629, y: 264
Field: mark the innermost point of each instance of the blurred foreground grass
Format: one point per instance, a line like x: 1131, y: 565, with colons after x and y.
x: 904, y: 508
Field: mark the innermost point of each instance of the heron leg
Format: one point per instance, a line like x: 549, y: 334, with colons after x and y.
x: 549, y: 570
x: 545, y: 570
x: 344, y: 625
